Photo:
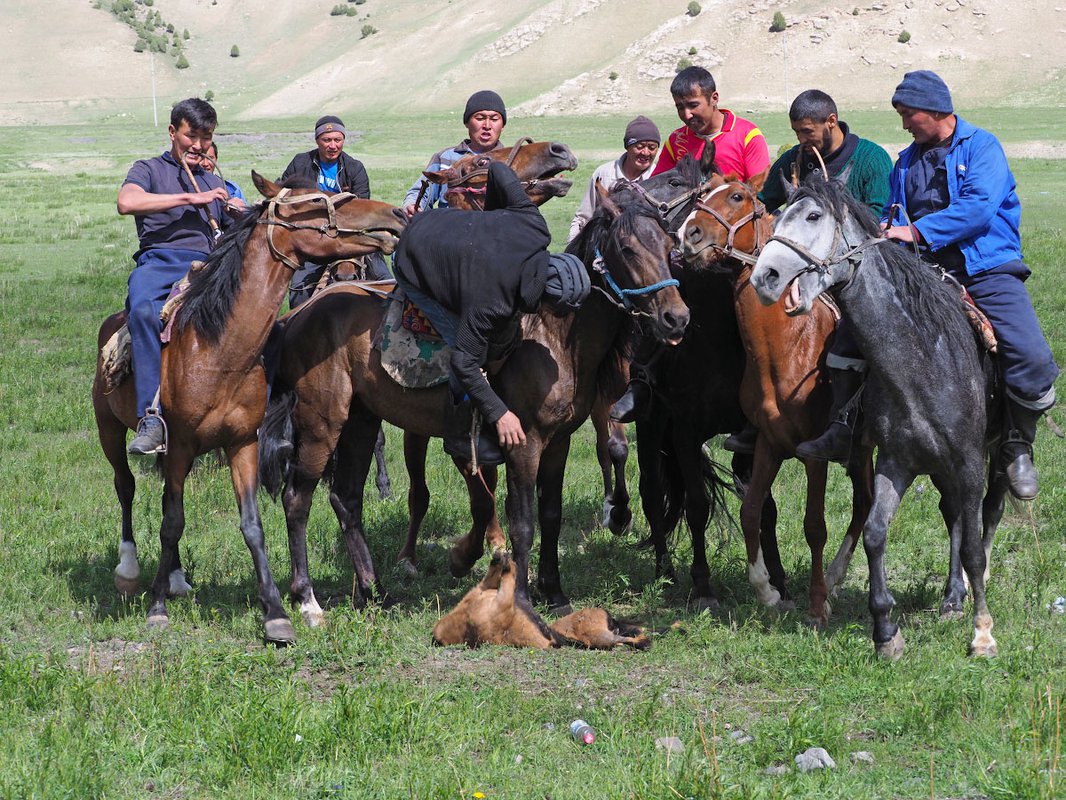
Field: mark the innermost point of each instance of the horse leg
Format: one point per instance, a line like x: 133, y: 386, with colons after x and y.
x: 522, y: 467
x: 975, y: 563
x: 484, y: 524
x: 992, y: 512
x: 772, y: 554
x: 550, y: 511
x: 815, y: 532
x: 767, y: 465
x: 955, y: 588
x: 112, y: 434
x: 612, y: 452
x: 296, y: 500
x: 653, y: 493
x: 890, y: 484
x: 243, y: 464
x: 415, y: 448
x: 355, y: 451
x: 860, y: 470
x: 176, y: 467
x: 697, y: 513
x: 382, y: 478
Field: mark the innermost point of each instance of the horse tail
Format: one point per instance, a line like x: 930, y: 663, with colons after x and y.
x: 275, y: 441
x: 719, y: 481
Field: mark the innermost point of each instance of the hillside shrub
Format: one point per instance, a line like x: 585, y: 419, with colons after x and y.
x: 139, y: 46
x: 613, y: 76
x: 694, y: 8
x: 182, y: 62
x: 209, y: 95
x: 369, y: 30
x: 683, y: 63
x: 185, y: 34
x: 778, y: 23
x: 234, y: 52
x: 904, y: 37
x: 692, y: 51
x: 855, y: 11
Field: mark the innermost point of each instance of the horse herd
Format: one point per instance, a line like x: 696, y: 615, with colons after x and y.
x: 732, y: 354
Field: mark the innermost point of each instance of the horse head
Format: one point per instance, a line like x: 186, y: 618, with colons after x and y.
x: 318, y: 226
x: 815, y: 244
x: 673, y: 193
x: 729, y: 225
x: 537, y: 164
x: 628, y: 247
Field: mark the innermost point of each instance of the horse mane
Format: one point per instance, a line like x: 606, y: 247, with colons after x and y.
x: 208, y: 302
x: 586, y: 245
x: 932, y: 304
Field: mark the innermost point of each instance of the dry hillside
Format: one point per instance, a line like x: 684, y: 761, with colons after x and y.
x: 66, y: 60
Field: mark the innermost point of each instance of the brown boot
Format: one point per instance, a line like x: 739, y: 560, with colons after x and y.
x: 1016, y: 451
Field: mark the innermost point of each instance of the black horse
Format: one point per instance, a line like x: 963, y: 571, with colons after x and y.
x: 929, y: 399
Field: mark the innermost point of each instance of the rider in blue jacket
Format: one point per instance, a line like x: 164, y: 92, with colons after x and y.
x: 959, y: 194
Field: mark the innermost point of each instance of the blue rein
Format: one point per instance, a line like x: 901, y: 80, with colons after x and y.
x: 623, y: 295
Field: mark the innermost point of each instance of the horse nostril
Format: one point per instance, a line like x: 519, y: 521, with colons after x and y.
x: 398, y: 213
x: 693, y: 234
x: 558, y: 149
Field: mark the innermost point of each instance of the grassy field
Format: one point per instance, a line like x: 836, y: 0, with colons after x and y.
x: 93, y: 705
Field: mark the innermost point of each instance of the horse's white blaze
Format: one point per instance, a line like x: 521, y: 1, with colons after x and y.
x: 312, y: 613
x: 179, y: 587
x: 692, y: 215
x: 128, y: 568
x: 759, y: 578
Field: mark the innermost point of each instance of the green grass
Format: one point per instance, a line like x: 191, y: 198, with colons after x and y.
x: 94, y: 705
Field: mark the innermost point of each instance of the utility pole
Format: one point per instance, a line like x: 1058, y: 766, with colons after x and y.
x: 155, y: 111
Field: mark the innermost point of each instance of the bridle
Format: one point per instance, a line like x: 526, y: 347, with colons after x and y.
x: 330, y: 228
x: 836, y: 254
x: 758, y: 212
x: 668, y: 210
x: 476, y: 194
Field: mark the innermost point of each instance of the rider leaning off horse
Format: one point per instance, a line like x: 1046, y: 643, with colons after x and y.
x: 829, y: 148
x: 485, y: 116
x: 739, y: 149
x: 962, y: 209
x: 472, y: 273
x: 177, y: 207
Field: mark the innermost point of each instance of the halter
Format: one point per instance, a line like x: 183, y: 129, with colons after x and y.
x: 666, y: 208
x: 460, y: 186
x: 822, y: 265
x: 758, y: 211
x: 621, y: 296
x: 329, y: 228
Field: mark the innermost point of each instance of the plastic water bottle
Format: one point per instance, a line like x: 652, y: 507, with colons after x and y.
x: 582, y: 732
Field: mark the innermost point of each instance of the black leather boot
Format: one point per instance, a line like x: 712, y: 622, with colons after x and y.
x: 835, y: 443
x: 743, y: 441
x: 457, y: 444
x: 1016, y: 451
x: 634, y: 403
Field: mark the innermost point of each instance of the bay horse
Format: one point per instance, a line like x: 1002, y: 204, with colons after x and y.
x: 550, y: 382
x: 784, y: 391
x: 213, y: 389
x: 930, y: 400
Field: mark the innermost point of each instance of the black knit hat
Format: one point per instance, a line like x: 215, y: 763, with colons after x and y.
x: 485, y: 100
x: 641, y: 129
x: 330, y: 124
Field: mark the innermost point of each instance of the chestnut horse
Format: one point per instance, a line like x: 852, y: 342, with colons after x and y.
x: 550, y: 381
x: 785, y: 390
x: 213, y: 389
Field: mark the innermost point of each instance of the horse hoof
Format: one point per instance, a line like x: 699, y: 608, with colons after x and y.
x: 892, y: 649
x: 706, y: 603
x: 279, y: 632
x: 818, y: 623
x: 157, y: 622
x: 407, y: 569
x: 785, y: 605
x: 458, y: 565
x: 950, y: 613
x: 178, y: 585
x: 620, y: 527
x: 313, y: 617
x: 984, y: 650
x: 127, y: 587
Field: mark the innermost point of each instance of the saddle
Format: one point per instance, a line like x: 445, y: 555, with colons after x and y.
x: 982, y: 328
x: 117, y: 355
x: 412, y: 351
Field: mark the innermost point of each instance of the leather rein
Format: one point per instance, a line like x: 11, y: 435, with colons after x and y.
x: 329, y: 228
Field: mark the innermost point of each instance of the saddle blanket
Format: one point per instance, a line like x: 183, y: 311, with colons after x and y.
x: 412, y: 352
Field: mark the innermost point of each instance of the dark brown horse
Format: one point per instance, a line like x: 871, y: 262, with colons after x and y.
x: 784, y: 391
x: 550, y: 381
x: 213, y: 389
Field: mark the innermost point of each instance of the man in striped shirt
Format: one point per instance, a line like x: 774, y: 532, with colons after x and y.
x: 739, y: 145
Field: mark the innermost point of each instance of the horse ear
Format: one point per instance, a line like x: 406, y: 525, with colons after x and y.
x: 756, y: 182
x: 605, y: 202
x: 790, y: 187
x: 844, y: 174
x: 439, y: 176
x: 707, y: 159
x: 266, y: 188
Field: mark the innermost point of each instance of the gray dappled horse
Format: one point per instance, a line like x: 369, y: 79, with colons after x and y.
x: 929, y: 399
